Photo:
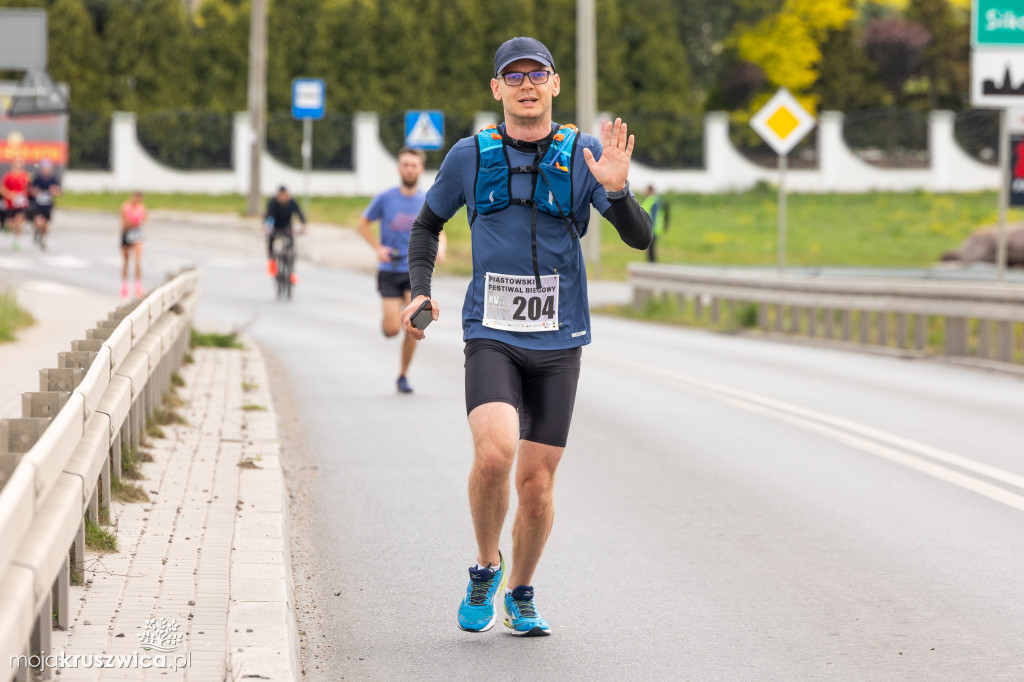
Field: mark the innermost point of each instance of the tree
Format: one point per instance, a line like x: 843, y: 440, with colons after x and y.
x: 222, y: 48
x: 946, y: 57
x: 74, y: 58
x: 149, y: 54
x: 847, y: 79
x: 897, y: 47
x: 787, y: 44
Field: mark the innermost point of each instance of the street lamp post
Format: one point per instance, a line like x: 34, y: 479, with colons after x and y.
x: 586, y: 110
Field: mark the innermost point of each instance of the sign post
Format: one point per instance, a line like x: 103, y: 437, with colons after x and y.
x: 997, y: 82
x: 307, y: 104
x: 782, y: 123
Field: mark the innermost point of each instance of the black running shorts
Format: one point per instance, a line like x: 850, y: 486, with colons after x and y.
x: 393, y: 284
x: 540, y: 384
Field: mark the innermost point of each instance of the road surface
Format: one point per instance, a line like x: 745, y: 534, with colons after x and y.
x: 727, y: 508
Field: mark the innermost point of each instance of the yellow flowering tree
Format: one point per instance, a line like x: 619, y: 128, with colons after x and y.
x: 787, y: 44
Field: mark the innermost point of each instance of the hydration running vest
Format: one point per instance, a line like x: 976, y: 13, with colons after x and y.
x: 554, y: 167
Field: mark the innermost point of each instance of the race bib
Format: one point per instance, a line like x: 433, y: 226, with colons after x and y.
x: 43, y: 199
x: 20, y: 201
x: 133, y: 236
x: 513, y: 303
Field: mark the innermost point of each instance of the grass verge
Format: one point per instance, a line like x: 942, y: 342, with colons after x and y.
x: 12, y: 316
x: 98, y: 538
x: 126, y: 491
x: 214, y: 340
x: 130, y: 463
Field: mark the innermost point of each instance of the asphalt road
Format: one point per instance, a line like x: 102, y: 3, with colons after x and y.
x: 727, y: 509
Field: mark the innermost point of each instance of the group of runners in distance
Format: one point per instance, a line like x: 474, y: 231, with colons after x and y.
x: 28, y: 198
x: 32, y: 198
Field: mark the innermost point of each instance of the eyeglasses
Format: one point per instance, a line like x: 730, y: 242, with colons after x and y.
x: 515, y: 78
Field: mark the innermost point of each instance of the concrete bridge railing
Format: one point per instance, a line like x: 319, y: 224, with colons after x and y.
x: 58, y: 459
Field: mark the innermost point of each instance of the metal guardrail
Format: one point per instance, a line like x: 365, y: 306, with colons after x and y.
x: 979, y: 321
x: 56, y: 462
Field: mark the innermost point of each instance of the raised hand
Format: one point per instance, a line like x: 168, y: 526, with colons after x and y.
x: 613, y: 168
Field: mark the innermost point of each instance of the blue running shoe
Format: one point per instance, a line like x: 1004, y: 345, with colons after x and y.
x: 476, y: 612
x: 403, y: 385
x: 521, y: 614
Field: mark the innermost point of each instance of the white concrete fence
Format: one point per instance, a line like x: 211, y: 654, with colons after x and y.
x: 56, y: 463
x: 725, y: 168
x: 978, y: 323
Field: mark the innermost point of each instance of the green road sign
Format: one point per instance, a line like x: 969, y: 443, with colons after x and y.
x: 997, y: 23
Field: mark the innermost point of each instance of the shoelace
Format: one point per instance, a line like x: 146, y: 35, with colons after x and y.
x: 526, y: 608
x: 478, y: 592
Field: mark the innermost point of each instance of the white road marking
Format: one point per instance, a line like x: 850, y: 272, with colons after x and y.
x: 73, y: 262
x: 865, y: 438
x: 14, y: 264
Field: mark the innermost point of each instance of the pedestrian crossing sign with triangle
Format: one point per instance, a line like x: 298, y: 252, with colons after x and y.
x: 424, y: 130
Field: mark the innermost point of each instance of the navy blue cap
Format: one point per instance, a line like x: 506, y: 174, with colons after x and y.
x: 521, y: 48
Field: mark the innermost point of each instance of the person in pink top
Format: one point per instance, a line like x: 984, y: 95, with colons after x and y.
x: 133, y: 215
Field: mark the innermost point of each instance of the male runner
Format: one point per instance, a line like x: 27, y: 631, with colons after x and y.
x: 280, y: 209
x: 396, y: 209
x: 14, y: 190
x: 42, y: 190
x: 528, y: 186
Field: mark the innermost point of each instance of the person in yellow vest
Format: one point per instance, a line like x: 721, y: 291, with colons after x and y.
x: 657, y: 208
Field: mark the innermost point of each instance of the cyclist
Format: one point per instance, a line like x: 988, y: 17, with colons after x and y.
x: 133, y: 215
x: 396, y: 209
x: 42, y: 190
x: 14, y: 190
x: 278, y: 218
x: 528, y: 185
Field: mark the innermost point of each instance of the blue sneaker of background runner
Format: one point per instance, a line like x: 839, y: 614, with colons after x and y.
x: 476, y: 612
x: 521, y: 614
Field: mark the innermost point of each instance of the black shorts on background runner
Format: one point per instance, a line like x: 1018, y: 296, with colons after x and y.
x: 393, y: 284
x: 541, y: 384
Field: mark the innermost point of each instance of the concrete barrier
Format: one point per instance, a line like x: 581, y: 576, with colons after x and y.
x: 57, y: 461
x: 975, y: 322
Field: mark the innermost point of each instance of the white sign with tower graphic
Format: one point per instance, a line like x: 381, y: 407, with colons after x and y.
x: 997, y: 78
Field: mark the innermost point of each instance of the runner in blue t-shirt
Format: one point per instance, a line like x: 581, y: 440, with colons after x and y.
x: 396, y: 209
x: 528, y: 186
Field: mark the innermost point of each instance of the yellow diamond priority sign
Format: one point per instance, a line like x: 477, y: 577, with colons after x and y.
x: 782, y: 122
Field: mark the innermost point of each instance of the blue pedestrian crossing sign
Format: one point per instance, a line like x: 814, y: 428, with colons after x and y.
x: 308, y: 98
x: 424, y: 130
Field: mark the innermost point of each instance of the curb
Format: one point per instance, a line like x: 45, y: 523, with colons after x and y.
x: 262, y: 589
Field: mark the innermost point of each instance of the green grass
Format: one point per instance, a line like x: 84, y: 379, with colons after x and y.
x: 12, y: 316
x: 252, y: 407
x: 214, y: 340
x: 880, y: 229
x: 130, y: 463
x: 125, y: 491
x: 333, y: 210
x: 249, y: 386
x: 876, y: 229
x: 176, y: 380
x: 99, y: 539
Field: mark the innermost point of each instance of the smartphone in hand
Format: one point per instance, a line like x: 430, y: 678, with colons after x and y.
x: 423, y: 316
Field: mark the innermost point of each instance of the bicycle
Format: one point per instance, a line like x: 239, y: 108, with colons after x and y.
x: 284, y: 257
